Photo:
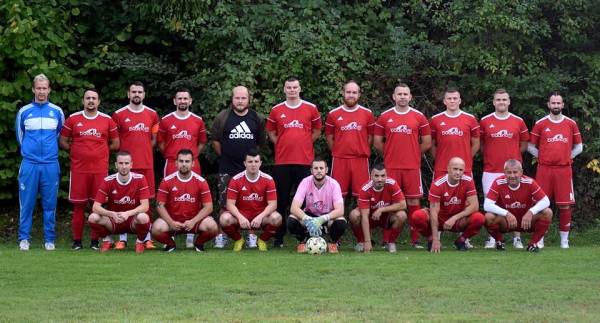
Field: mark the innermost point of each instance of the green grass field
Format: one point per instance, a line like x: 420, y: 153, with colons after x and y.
x: 218, y: 285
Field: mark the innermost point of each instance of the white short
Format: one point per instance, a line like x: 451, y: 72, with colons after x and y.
x: 486, y: 181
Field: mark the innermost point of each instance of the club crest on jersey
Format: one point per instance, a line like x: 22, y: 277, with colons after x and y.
x: 515, y: 205
x: 140, y: 127
x: 402, y: 129
x: 454, y: 131
x: 351, y: 126
x: 502, y: 134
x: 294, y: 124
x: 558, y: 138
x: 453, y: 201
x: 253, y: 197
x: 183, y: 134
x: 90, y: 132
x: 125, y: 200
x: 185, y: 198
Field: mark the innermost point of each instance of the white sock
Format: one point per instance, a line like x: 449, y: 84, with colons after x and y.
x: 190, y: 237
x: 123, y: 237
x: 108, y: 238
x: 564, y: 235
x: 138, y: 241
x: 516, y: 238
x: 148, y: 236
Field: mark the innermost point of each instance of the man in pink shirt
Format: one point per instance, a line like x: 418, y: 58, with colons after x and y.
x: 323, y: 206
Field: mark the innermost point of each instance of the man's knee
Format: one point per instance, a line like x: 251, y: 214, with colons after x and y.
x: 354, y: 217
x: 142, y: 218
x: 226, y: 219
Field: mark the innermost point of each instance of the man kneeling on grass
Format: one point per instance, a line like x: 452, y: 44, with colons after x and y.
x: 251, y: 204
x: 381, y: 203
x: 453, y: 206
x: 184, y: 206
x: 126, y: 195
x: 516, y: 203
x: 323, y: 208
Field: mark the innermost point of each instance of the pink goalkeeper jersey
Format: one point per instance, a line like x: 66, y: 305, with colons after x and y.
x: 319, y: 201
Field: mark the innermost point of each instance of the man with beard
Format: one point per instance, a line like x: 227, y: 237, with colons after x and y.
x: 138, y: 126
x: 402, y: 134
x: 292, y: 126
x: 88, y: 135
x: 235, y: 131
x: 555, y: 141
x: 184, y: 205
x: 323, y: 208
x: 380, y: 204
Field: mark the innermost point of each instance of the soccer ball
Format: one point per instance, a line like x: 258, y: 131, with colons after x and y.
x: 316, y: 245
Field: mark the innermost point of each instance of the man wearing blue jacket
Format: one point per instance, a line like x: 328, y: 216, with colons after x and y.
x: 38, y: 127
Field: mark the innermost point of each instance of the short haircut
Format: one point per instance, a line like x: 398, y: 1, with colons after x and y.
x: 40, y: 78
x: 513, y: 163
x: 182, y: 89
x: 185, y: 152
x: 252, y: 152
x: 91, y: 89
x: 451, y: 89
x: 378, y: 166
x: 137, y: 83
x: 292, y: 79
x: 318, y: 159
x: 122, y: 153
x: 500, y: 91
x: 348, y: 82
x: 401, y: 85
x: 554, y: 93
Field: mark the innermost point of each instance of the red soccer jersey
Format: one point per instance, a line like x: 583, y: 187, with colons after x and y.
x: 294, y: 127
x: 452, y: 199
x: 183, y: 198
x: 351, y: 130
x: 181, y: 133
x: 501, y: 139
x: 135, y: 133
x: 251, y: 197
x: 555, y: 140
x: 402, y: 132
x: 516, y: 201
x: 369, y: 198
x: 89, y: 141
x: 122, y: 197
x: 452, y: 136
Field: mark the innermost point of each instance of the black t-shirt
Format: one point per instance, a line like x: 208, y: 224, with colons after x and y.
x: 239, y: 134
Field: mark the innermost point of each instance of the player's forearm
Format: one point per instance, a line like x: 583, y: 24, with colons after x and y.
x: 474, y: 146
x: 540, y: 205
x: 217, y: 147
x: 337, y: 212
x: 232, y: 208
x: 142, y: 208
x: 433, y: 220
x: 200, y: 148
x: 162, y: 212
x: 272, y: 136
x: 205, y: 211
x: 491, y: 206
x: 532, y: 149
x: 114, y: 144
x: 98, y: 209
x: 378, y: 144
x: 393, y: 207
x: 364, y: 222
x: 316, y: 133
x: 425, y: 143
x: 64, y: 143
x: 270, y: 208
x: 161, y: 147
x: 296, y: 211
x: 433, y: 150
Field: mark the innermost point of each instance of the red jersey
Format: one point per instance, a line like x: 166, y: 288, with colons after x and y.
x: 351, y: 130
x: 452, y: 199
x: 501, y: 139
x: 452, y: 136
x: 89, y: 141
x: 183, y: 199
x: 294, y: 127
x: 516, y: 201
x: 251, y: 197
x: 369, y: 198
x: 135, y: 132
x: 123, y: 197
x: 402, y: 131
x: 555, y: 140
x: 181, y: 133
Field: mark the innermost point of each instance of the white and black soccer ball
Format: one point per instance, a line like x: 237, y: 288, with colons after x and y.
x: 316, y: 246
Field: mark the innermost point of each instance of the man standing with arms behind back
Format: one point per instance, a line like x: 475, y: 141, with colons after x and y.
x: 37, y: 126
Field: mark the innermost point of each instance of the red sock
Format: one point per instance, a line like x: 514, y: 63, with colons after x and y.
x: 141, y: 230
x: 539, y: 230
x: 393, y: 235
x: 165, y: 238
x: 414, y: 234
x: 358, y: 233
x: 268, y: 231
x: 494, y: 231
x: 421, y: 223
x: 386, y: 235
x: 233, y: 231
x: 476, y: 221
x: 204, y: 236
x: 98, y: 231
x: 77, y: 220
x: 565, y: 219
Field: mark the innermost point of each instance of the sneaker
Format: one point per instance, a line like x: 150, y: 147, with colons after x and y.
x: 76, y: 245
x: 517, y: 244
x: 149, y: 244
x: 238, y: 245
x: 540, y: 243
x: 189, y: 241
x: 251, y: 241
x: 359, y: 247
x: 24, y: 245
x: 468, y: 244
x: 120, y: 245
x: 262, y: 246
x: 49, y: 246
x: 417, y: 245
x: 278, y: 243
x: 391, y: 247
x: 533, y: 248
x: 500, y: 246
x: 220, y: 241
x: 301, y: 248
x: 461, y: 245
x: 168, y: 248
x: 199, y: 247
x: 564, y: 244
x: 332, y: 248
x: 140, y: 247
x: 490, y: 243
x: 94, y: 245
x: 105, y: 246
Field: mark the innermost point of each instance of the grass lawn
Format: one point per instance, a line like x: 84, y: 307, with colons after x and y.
x: 280, y: 285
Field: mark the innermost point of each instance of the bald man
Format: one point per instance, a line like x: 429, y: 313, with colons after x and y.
x: 235, y: 131
x: 453, y: 206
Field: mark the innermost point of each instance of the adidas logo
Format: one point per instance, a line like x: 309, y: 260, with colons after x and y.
x: 390, y: 120
x: 79, y: 124
x: 442, y: 123
x: 241, y: 131
x: 114, y: 191
x: 244, y: 188
x: 507, y: 196
x: 446, y: 194
x: 174, y: 189
x: 127, y: 120
x: 173, y: 127
x: 282, y: 116
x: 547, y: 129
x: 492, y: 126
x: 340, y: 118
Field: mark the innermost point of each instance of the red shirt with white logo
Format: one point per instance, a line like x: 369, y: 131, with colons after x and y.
x: 251, y: 197
x: 181, y: 133
x: 89, y: 141
x: 369, y: 198
x: 402, y: 131
x: 183, y: 199
x: 555, y: 140
x: 452, y: 198
x: 121, y: 197
x: 501, y: 139
x: 294, y: 127
x: 452, y: 136
x: 351, y: 130
x: 135, y: 133
x: 517, y: 201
